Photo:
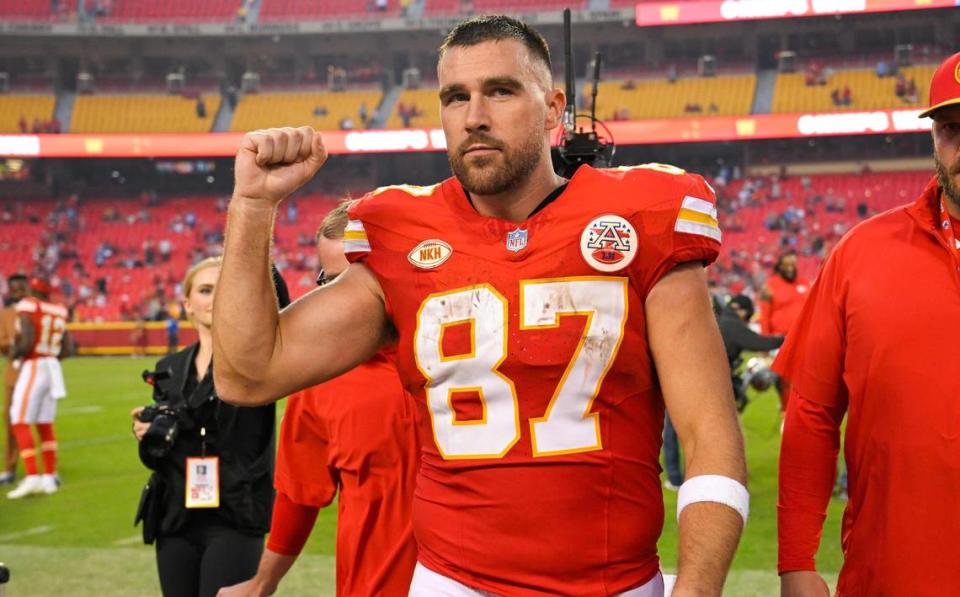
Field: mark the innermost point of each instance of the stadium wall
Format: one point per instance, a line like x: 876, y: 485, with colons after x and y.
x: 120, y: 338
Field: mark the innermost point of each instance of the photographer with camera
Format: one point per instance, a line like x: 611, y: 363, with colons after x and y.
x: 733, y: 319
x: 207, y: 504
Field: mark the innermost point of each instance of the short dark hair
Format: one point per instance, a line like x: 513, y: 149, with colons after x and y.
x: 496, y: 28
x: 17, y: 278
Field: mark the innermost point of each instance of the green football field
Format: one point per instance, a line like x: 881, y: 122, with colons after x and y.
x: 82, y: 542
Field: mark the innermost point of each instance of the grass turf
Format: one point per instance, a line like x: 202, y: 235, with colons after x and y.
x: 81, y: 541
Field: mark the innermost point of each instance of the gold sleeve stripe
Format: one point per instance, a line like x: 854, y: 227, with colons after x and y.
x: 695, y: 216
x: 354, y: 235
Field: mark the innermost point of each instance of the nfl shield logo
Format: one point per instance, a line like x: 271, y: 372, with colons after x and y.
x: 517, y: 240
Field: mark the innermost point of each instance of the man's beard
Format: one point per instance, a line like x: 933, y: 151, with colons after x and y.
x: 482, y: 177
x: 788, y: 275
x: 945, y: 178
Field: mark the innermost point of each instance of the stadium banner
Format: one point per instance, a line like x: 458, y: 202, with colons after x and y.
x: 372, y: 23
x: 123, y: 337
x: 633, y: 132
x: 653, y: 14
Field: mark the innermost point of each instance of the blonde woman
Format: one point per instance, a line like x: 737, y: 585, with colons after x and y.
x: 207, y: 505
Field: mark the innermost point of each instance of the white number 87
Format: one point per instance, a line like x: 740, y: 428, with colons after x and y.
x: 567, y: 426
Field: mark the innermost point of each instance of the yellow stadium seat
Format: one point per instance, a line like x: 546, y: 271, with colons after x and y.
x: 141, y: 114
x: 265, y: 110
x: 28, y: 107
x: 867, y: 91
x: 658, y: 98
x: 427, y: 103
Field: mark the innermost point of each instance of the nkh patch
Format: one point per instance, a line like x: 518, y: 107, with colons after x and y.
x: 430, y: 254
x: 517, y: 240
x: 608, y: 243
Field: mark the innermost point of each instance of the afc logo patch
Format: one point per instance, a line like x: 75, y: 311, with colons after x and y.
x: 608, y: 243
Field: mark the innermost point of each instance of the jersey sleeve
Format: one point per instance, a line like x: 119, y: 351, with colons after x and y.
x: 303, y: 470
x: 356, y: 245
x: 681, y: 228
x: 27, y: 307
x: 813, y: 355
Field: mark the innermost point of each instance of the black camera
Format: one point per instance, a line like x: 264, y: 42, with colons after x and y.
x: 164, y: 416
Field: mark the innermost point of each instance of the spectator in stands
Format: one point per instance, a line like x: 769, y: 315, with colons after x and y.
x: 846, y: 98
x: 292, y: 212
x: 363, y: 114
x: 883, y: 69
x: 900, y: 88
x: 629, y: 85
x: 912, y: 96
x: 672, y: 73
x: 346, y: 123
x: 201, y: 108
x: 320, y: 111
x: 22, y: 124
x: 835, y: 97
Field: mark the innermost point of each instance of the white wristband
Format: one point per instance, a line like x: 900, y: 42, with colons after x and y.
x: 714, y: 488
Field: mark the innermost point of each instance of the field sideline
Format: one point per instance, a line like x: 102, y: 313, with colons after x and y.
x: 81, y: 541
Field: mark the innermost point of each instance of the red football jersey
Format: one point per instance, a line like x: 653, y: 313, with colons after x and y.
x: 355, y: 434
x: 524, y: 345
x: 49, y: 324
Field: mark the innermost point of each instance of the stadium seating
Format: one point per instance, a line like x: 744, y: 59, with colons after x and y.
x: 746, y: 232
x: 427, y: 105
x: 294, y: 10
x: 868, y: 92
x: 142, y: 114
x: 658, y: 98
x: 300, y: 109
x: 36, y: 10
x: 497, y: 6
x: 172, y: 11
x: 28, y: 107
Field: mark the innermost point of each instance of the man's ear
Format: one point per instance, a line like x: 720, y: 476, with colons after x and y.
x: 556, y: 101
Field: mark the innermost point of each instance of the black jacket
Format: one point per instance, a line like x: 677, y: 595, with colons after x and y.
x: 737, y: 336
x: 243, y: 439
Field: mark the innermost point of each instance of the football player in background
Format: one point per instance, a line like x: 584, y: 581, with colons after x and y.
x: 541, y: 324
x: 781, y: 300
x: 16, y: 291
x: 40, y: 341
x: 875, y: 342
x: 353, y: 435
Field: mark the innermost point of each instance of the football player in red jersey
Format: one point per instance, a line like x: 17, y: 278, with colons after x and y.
x: 353, y: 436
x: 39, y: 342
x: 541, y: 324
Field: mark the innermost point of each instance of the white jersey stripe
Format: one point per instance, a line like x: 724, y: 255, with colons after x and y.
x: 356, y: 246
x: 700, y: 206
x: 698, y: 228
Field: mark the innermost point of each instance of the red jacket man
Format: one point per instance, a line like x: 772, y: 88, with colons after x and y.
x: 876, y: 341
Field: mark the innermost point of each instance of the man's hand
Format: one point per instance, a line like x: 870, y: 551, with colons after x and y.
x: 273, y: 163
x: 139, y: 427
x: 803, y: 583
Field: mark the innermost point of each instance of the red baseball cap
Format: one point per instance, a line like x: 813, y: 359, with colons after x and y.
x: 945, y: 85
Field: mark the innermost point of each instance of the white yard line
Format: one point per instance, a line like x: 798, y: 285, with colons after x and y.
x: 131, y: 540
x: 27, y: 533
x: 80, y: 410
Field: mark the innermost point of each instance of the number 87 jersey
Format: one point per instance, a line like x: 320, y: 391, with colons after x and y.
x: 525, y: 346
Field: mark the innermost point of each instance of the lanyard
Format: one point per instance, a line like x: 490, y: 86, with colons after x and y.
x: 947, y: 229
